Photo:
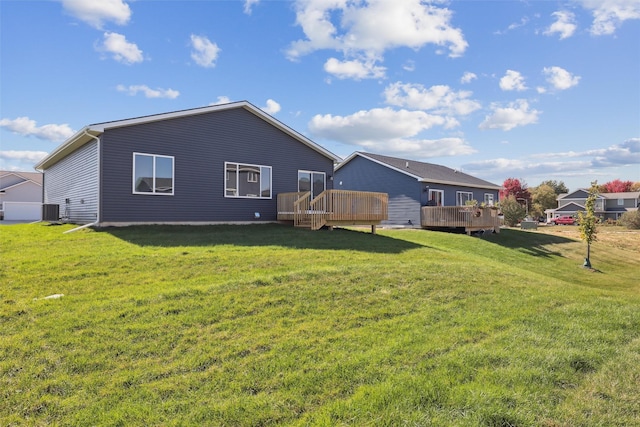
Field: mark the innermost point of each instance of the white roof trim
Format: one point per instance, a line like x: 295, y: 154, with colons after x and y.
x: 353, y: 155
x: 80, y: 138
x: 26, y: 181
x: 416, y: 177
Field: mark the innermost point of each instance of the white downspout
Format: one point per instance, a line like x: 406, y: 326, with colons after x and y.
x: 97, y: 221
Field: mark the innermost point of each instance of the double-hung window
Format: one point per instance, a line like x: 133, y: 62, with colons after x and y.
x: 246, y: 180
x: 462, y: 197
x: 153, y: 174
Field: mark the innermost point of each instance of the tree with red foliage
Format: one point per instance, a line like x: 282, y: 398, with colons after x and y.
x: 616, y: 186
x: 517, y: 188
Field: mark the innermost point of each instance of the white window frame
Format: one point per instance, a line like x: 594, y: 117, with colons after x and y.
x: 154, y: 192
x: 256, y: 196
x: 489, y: 199
x: 620, y: 202
x: 311, y: 173
x: 459, y: 197
x: 441, y: 192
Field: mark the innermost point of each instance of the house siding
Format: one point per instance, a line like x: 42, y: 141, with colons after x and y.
x: 200, y: 145
x: 404, y: 191
x: 75, y: 179
x: 406, y: 194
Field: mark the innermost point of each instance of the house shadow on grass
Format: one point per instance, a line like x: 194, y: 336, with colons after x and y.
x: 259, y: 235
x: 531, y: 243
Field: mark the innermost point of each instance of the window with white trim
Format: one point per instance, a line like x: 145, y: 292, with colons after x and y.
x: 311, y: 181
x: 436, y: 197
x: 620, y: 202
x: 153, y: 174
x: 247, y: 181
x: 488, y: 199
x: 462, y: 197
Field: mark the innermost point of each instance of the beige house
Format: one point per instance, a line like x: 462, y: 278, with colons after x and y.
x: 20, y: 196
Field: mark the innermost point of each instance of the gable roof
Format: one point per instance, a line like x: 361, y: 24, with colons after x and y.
x: 583, y: 193
x: 626, y: 195
x: 10, y: 179
x: 424, y: 172
x: 91, y: 132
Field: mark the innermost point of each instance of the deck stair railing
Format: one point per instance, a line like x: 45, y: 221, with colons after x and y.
x: 333, y: 207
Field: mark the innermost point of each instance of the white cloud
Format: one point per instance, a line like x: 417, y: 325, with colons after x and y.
x: 367, y: 29
x: 23, y: 156
x: 121, y: 50
x: 148, y: 92
x: 409, y: 66
x: 272, y: 107
x: 523, y: 21
x: 27, y: 127
x: 204, y: 51
x: 222, y: 100
x: 560, y: 78
x: 506, y: 118
x: 564, y: 24
x: 468, y: 77
x: 248, y: 6
x: 441, y: 99
x: 385, y: 130
x: 608, y: 15
x: 626, y: 153
x: 97, y: 12
x: 585, y: 163
x: 354, y: 69
x: 512, y: 80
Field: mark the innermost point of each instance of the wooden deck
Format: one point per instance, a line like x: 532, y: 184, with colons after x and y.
x: 467, y: 217
x: 333, y: 208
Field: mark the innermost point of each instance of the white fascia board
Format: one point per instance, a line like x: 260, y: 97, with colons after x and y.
x: 462, y: 184
x: 17, y: 184
x: 101, y: 127
x: 416, y: 177
x: 291, y: 132
x: 80, y: 138
x: 70, y: 145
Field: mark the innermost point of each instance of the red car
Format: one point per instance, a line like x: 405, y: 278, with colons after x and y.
x: 563, y: 220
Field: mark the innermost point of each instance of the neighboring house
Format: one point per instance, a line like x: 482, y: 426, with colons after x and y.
x: 20, y: 195
x: 218, y: 164
x: 608, y: 205
x: 411, y: 185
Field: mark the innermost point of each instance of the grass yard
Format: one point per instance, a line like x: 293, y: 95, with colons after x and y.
x: 271, y: 325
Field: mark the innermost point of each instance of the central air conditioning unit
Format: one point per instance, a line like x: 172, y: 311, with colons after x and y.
x: 50, y: 212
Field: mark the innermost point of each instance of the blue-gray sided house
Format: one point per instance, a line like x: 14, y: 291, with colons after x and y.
x: 411, y: 185
x: 218, y: 164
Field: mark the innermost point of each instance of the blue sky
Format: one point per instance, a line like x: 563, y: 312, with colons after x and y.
x: 533, y: 89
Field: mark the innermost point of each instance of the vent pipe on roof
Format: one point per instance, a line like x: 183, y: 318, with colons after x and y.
x: 407, y: 165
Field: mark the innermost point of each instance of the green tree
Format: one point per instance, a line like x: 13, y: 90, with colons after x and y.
x: 588, y: 220
x: 558, y: 186
x: 512, y: 210
x: 543, y: 197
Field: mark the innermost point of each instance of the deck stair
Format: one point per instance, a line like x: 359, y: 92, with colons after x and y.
x: 333, y: 208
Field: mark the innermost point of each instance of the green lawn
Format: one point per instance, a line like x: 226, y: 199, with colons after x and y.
x: 271, y: 325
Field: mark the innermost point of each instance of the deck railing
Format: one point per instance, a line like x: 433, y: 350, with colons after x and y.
x: 468, y: 217
x: 333, y: 207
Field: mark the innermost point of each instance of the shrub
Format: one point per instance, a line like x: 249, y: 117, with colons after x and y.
x: 630, y: 220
